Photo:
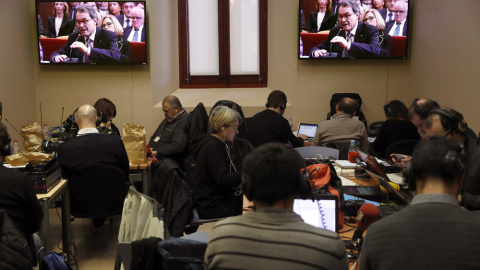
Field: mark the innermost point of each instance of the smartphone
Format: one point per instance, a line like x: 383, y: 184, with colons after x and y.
x: 398, y: 157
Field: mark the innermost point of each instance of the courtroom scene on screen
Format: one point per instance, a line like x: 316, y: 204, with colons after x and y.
x: 350, y: 29
x: 91, y: 32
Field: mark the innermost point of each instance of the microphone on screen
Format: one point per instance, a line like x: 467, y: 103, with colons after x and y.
x: 354, y: 157
x: 367, y: 214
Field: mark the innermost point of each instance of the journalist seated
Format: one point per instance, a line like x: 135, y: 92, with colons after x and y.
x: 273, y: 236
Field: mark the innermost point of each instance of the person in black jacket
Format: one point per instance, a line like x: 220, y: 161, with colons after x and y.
x: 270, y: 126
x: 215, y: 180
x: 17, y: 197
x: 396, y: 128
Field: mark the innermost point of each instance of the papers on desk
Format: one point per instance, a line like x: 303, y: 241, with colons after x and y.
x: 14, y: 167
x: 345, y: 164
x: 396, y: 178
x: 346, y: 182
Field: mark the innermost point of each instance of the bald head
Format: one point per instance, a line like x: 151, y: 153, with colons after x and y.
x: 347, y: 105
x: 86, y: 117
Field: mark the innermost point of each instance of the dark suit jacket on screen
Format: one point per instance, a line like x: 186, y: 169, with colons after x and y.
x: 366, y: 43
x: 128, y: 30
x: 66, y: 28
x: 104, y: 51
x: 327, y: 23
x: 124, y: 46
x: 392, y: 24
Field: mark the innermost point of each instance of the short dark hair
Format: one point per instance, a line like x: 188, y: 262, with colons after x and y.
x: 4, y: 139
x: 395, y: 109
x: 432, y: 159
x: 350, y: 3
x: 451, y: 120
x: 84, y: 8
x: 271, y: 173
x: 423, y: 109
x: 347, y: 105
x: 105, y: 108
x: 276, y: 99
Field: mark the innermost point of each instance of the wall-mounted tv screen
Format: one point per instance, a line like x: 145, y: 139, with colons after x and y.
x: 81, y: 33
x: 353, y: 29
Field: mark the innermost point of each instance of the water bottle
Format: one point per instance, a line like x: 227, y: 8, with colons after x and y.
x: 301, y: 47
x: 352, y: 147
x: 15, y: 146
x: 290, y: 122
x: 41, y: 51
x: 45, y: 132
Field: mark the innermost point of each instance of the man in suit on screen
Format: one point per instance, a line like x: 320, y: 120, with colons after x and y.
x: 352, y: 38
x: 90, y: 44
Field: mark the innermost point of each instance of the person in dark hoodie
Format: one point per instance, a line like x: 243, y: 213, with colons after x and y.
x: 216, y: 181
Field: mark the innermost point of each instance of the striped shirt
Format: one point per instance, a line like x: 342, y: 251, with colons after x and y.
x: 259, y: 240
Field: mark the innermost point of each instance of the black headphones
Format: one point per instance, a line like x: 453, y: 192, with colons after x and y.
x: 452, y: 163
x: 5, y: 149
x: 283, y: 106
x: 419, y: 110
x: 459, y: 125
x: 387, y: 110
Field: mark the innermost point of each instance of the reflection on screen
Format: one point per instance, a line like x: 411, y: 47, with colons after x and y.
x: 323, y: 216
x: 308, y: 130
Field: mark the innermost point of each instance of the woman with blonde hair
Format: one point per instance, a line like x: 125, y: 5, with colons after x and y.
x: 110, y: 23
x: 59, y: 25
x: 373, y: 17
x: 215, y: 180
x: 322, y: 19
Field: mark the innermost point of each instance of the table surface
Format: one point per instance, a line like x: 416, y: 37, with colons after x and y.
x: 54, y: 191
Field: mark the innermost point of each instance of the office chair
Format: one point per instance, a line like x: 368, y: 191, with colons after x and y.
x: 315, y: 151
x: 401, y: 147
x: 98, y: 192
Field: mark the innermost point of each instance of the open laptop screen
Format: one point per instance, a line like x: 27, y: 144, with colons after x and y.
x: 321, y: 213
x: 307, y: 129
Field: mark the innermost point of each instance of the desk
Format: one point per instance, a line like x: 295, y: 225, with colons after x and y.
x: 142, y: 172
x: 60, y: 190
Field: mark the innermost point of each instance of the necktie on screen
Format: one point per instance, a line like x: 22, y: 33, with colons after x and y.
x: 135, y: 36
x: 397, y: 30
x: 349, y: 39
x: 88, y: 43
x: 389, y: 17
x: 128, y: 22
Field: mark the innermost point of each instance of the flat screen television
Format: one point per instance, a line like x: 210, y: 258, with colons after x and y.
x: 104, y: 33
x: 379, y: 30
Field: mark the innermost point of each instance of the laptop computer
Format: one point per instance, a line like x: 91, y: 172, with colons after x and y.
x: 321, y: 213
x: 307, y: 129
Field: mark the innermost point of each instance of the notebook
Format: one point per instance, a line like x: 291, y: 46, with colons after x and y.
x: 321, y: 213
x: 307, y: 129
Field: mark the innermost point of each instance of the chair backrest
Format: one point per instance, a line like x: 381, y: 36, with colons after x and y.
x: 98, y: 192
x: 401, y: 147
x: 242, y: 129
x: 342, y: 148
x: 314, y: 151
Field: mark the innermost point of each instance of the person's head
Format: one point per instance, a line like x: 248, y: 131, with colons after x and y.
x: 271, y: 173
x: 86, y: 117
x: 102, y: 5
x: 171, y: 107
x: 378, y: 4
x: 110, y: 23
x: 127, y: 8
x: 114, y: 8
x: 277, y: 100
x: 86, y: 19
x: 436, y: 161
x: 419, y: 111
x: 390, y: 4
x: 323, y: 5
x: 395, y: 109
x: 138, y: 17
x: 401, y: 11
x: 105, y: 109
x: 347, y: 105
x: 225, y: 122
x: 447, y: 123
x: 373, y: 17
x: 74, y: 4
x: 140, y: 5
x: 60, y: 7
x: 4, y: 142
x: 93, y: 5
x: 348, y: 14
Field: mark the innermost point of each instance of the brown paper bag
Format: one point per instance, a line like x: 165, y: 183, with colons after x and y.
x: 16, y: 160
x: 134, y: 139
x: 33, y: 132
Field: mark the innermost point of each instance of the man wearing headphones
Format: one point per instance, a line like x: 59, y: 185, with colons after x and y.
x: 342, y: 127
x: 450, y: 124
x: 434, y: 232
x: 18, y: 199
x: 270, y: 126
x: 273, y: 236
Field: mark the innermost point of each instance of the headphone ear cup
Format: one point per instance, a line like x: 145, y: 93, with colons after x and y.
x: 247, y: 188
x: 409, y: 177
x: 304, y: 187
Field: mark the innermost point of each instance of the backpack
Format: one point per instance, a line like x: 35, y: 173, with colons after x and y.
x: 324, y: 180
x: 54, y: 261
